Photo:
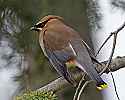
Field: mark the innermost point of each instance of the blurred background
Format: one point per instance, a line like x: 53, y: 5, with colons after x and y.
x: 22, y: 63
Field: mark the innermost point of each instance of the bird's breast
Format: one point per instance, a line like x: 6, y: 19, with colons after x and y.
x: 41, y: 41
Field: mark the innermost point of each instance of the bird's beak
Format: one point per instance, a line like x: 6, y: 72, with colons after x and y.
x: 33, y: 28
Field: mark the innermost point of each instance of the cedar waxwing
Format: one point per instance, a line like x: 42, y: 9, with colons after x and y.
x: 62, y: 45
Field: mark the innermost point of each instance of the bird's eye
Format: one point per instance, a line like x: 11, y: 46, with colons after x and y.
x: 40, y: 25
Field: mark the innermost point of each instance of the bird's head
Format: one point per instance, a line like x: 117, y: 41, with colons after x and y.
x: 40, y: 25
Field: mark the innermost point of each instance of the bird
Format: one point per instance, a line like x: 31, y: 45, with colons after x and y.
x: 63, y: 45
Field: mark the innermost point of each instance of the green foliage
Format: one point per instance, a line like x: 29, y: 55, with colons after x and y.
x: 37, y: 95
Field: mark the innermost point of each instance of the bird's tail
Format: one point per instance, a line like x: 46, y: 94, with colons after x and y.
x: 102, y: 85
x: 84, y: 62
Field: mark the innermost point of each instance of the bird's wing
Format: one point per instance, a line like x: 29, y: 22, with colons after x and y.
x: 58, y: 58
x: 91, y: 53
x: 84, y: 60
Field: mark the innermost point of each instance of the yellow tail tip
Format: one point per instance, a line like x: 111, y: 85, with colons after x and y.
x: 102, y: 86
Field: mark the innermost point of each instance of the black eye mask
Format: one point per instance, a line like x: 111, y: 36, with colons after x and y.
x: 42, y: 24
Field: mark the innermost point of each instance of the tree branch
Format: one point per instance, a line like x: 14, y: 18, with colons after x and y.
x: 60, y: 83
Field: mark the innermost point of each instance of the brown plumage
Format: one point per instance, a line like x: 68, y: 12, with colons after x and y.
x: 61, y: 44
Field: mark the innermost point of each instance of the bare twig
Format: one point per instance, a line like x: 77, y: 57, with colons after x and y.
x: 78, y: 87
x: 111, y: 55
x: 115, y: 32
x: 115, y: 86
x: 109, y: 61
x: 83, y: 87
x: 103, y: 44
x: 61, y: 83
